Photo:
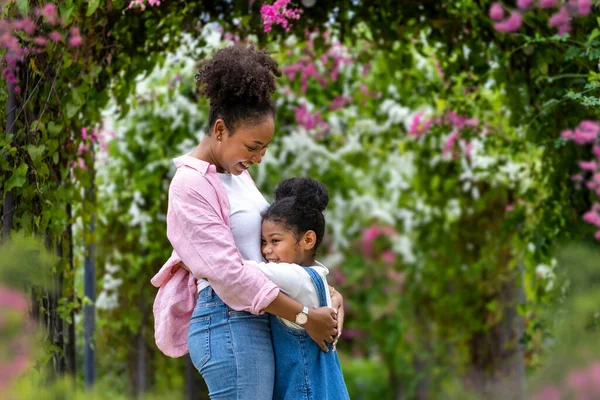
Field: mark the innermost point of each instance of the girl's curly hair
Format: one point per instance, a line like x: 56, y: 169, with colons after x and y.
x: 238, y: 81
x: 298, y: 206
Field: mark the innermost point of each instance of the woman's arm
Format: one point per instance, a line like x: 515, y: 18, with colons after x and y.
x: 321, y: 324
x: 198, y: 233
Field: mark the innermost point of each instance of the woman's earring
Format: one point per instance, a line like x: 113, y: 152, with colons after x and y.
x: 219, y: 137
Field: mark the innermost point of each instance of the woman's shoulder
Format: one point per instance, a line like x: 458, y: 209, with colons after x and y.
x: 188, y: 181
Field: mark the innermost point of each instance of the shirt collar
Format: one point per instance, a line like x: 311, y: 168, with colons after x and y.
x: 201, y: 166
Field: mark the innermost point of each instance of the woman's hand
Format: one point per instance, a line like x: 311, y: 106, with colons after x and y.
x: 321, y: 326
x: 337, y: 302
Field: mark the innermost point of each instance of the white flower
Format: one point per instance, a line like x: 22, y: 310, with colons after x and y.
x: 107, y: 301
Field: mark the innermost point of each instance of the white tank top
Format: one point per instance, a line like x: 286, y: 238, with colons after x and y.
x: 246, y: 203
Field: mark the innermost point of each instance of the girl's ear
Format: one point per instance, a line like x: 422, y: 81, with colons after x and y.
x: 309, y: 240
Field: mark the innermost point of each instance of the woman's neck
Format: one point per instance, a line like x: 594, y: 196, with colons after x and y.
x: 205, y: 152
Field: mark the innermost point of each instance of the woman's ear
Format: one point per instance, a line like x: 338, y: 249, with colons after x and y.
x: 219, y: 129
x: 309, y: 240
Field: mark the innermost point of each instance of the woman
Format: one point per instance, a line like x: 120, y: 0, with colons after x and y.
x: 214, y: 210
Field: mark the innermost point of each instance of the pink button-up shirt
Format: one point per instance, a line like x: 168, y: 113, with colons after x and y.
x: 199, y: 229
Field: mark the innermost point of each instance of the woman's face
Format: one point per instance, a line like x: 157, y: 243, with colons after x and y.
x: 245, y: 147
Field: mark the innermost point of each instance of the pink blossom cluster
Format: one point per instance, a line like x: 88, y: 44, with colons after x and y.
x: 417, y: 127
x: 332, y: 60
x: 561, y: 19
x: 582, y: 383
x: 15, y: 359
x: 88, y: 139
x: 307, y: 70
x: 279, y: 14
x: 339, y: 102
x: 310, y: 120
x: 587, y: 134
x: 142, y: 3
x: 15, y: 51
x: 370, y: 234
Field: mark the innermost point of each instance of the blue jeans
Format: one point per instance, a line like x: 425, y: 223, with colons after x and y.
x: 232, y: 350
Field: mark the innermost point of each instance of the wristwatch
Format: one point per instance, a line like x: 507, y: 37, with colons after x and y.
x: 302, y: 317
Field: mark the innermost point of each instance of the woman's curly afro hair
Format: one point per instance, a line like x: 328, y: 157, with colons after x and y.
x: 238, y: 81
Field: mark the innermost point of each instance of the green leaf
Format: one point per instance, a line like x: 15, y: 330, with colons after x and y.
x: 23, y: 6
x: 72, y: 110
x: 66, y: 9
x: 92, y: 6
x: 18, y: 178
x: 54, y: 129
x: 36, y: 153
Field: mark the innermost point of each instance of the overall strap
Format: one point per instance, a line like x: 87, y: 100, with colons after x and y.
x: 319, y: 285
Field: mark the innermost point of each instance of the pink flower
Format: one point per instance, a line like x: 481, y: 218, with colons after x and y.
x: 450, y: 141
x: 496, y: 12
x: 338, y: 277
x: 586, y: 132
x: 594, y: 369
x: 567, y: 134
x: 368, y: 237
x: 472, y: 122
x: 549, y: 392
x: 523, y: 4
x: 468, y: 149
x: 13, y: 300
x: 577, y: 178
x: 560, y: 18
x: 140, y: 3
x: 587, y: 165
x: 339, y: 102
x: 578, y: 380
x: 418, y: 128
x: 84, y: 134
x: 597, y: 236
x: 278, y: 14
x: 75, y: 41
x: 592, y: 217
x: 512, y: 24
x: 49, y: 13
x: 596, y: 151
x: 584, y: 7
x: 509, y: 207
x: 388, y: 257
x: 154, y: 2
x: 54, y: 36
x: 308, y: 120
x: 547, y: 3
x: 40, y: 41
x: 456, y: 120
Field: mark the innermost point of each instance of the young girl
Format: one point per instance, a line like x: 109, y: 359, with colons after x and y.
x: 292, y: 229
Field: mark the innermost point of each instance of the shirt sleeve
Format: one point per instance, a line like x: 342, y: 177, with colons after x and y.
x: 292, y: 279
x: 200, y: 236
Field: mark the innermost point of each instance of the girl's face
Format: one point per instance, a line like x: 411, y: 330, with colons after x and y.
x: 279, y: 244
x: 245, y: 147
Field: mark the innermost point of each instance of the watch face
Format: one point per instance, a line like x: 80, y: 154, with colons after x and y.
x: 301, y: 319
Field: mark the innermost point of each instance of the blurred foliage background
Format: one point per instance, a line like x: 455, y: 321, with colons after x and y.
x: 462, y: 228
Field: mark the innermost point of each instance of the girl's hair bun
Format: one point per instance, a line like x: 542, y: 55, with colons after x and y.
x: 307, y: 192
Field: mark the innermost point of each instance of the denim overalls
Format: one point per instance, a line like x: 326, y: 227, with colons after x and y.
x: 302, y: 370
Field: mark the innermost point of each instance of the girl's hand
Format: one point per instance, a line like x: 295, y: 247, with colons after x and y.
x: 321, y: 326
x: 337, y: 302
